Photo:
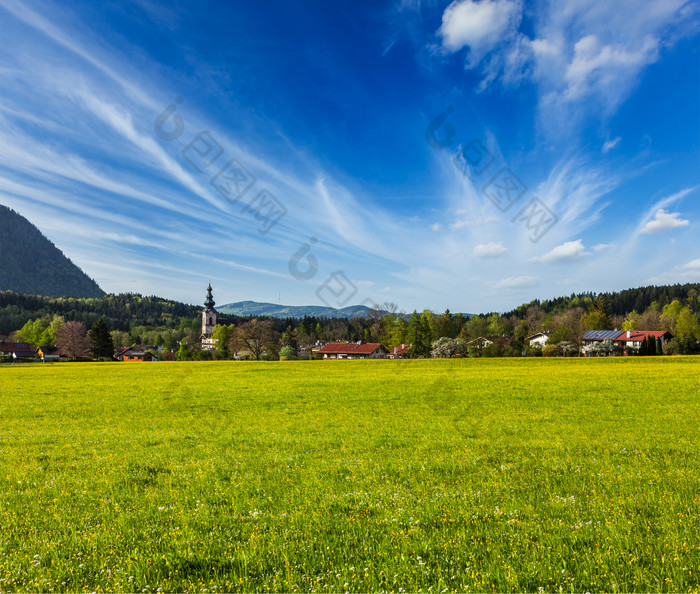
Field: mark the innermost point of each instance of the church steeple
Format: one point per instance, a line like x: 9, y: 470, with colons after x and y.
x: 208, y: 320
x: 209, y: 303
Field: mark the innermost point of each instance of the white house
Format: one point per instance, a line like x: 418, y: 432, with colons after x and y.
x: 539, y: 339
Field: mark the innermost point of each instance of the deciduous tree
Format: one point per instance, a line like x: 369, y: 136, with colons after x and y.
x: 257, y: 336
x: 222, y: 335
x: 446, y: 347
x: 71, y: 340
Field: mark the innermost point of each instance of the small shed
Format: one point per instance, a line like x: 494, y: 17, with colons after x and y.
x: 48, y: 354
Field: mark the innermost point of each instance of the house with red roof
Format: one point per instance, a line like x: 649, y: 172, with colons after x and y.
x: 400, y: 352
x: 119, y: 353
x: 17, y: 350
x: 625, y: 341
x: 630, y: 340
x: 353, y: 350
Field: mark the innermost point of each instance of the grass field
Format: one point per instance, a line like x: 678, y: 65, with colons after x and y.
x: 467, y: 475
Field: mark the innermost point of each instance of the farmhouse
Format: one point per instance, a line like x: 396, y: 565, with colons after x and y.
x: 17, y: 350
x: 130, y: 354
x: 119, y: 353
x: 480, y: 342
x: 400, y: 352
x: 353, y: 350
x: 539, y: 339
x: 626, y: 341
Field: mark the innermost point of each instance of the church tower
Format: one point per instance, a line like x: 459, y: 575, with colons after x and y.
x: 208, y: 321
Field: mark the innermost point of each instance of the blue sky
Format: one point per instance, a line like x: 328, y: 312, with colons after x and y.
x: 465, y: 155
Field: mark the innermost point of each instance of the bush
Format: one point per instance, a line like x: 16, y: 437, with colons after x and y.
x: 287, y: 353
x: 550, y: 350
x: 681, y: 345
x: 533, y: 351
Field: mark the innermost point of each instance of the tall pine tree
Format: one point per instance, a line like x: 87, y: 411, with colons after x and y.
x: 101, y: 344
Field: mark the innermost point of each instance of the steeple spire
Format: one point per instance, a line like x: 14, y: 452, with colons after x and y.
x: 209, y: 303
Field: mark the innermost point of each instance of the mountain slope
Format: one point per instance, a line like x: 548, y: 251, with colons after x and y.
x: 254, y: 308
x: 30, y: 263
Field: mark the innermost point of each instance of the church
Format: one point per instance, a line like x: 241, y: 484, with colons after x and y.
x: 208, y: 322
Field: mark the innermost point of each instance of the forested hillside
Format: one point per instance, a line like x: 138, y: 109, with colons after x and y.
x: 120, y: 311
x: 619, y: 303
x: 30, y: 263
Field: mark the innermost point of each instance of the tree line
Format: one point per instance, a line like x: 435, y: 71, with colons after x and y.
x: 174, y: 328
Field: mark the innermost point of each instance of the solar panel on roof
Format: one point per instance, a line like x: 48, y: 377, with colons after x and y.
x: 602, y: 334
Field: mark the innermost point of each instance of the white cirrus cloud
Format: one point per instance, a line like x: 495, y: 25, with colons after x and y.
x: 517, y: 282
x: 599, y: 247
x: 611, y: 144
x: 480, y: 26
x: 597, y: 65
x: 664, y: 221
x: 476, y: 222
x: 492, y: 249
x: 570, y: 250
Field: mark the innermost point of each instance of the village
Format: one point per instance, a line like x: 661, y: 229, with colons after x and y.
x: 596, y: 343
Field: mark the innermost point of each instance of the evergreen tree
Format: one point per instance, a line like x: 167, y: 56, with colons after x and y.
x: 659, y: 347
x: 418, y: 334
x: 101, y: 344
x: 289, y: 339
x: 398, y: 332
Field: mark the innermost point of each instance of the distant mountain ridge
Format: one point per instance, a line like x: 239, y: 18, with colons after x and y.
x: 274, y: 310
x: 31, y: 264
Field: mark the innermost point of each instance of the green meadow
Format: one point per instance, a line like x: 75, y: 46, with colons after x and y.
x: 553, y: 475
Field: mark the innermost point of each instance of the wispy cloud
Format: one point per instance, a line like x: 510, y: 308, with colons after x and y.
x: 475, y: 222
x: 576, y: 192
x: 517, y: 282
x: 23, y: 12
x: 599, y: 247
x: 611, y: 144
